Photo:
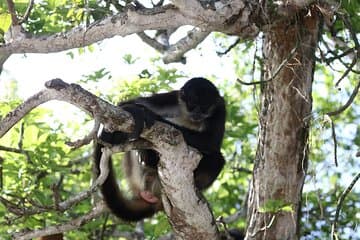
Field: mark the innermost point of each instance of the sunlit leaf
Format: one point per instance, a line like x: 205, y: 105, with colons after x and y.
x: 5, y: 21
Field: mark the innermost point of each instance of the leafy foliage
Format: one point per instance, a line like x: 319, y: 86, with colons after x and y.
x: 27, y: 179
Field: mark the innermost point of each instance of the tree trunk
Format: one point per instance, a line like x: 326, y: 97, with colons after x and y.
x: 282, y: 153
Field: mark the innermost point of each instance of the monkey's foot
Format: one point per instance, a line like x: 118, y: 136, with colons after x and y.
x: 148, y: 197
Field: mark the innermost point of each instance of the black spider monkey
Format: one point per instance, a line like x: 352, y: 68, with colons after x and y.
x: 198, y: 111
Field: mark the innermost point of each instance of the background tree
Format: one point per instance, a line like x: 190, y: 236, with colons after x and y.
x: 293, y: 95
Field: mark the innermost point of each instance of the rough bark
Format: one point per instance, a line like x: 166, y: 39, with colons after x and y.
x: 282, y: 153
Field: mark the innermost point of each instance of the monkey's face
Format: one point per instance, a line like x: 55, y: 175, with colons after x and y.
x: 199, y: 97
x: 197, y: 112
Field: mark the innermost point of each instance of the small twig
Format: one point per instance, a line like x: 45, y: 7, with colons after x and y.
x: 67, y: 204
x: 20, y: 143
x: 280, y: 67
x: 160, y: 3
x: 347, y: 22
x: 232, y: 218
x: 87, y: 139
x: 78, y: 161
x: 348, y: 70
x: 73, y: 224
x: 348, y: 103
x: 338, y: 56
x: 335, y: 142
x: 21, y: 137
x: 56, y: 194
x: 15, y: 150
x: 12, y: 207
x: 12, y: 11
x: 242, y: 169
x: 27, y: 12
x: 103, y: 228
x: 252, y: 83
x: 152, y: 42
x: 10, y: 149
x: 229, y: 48
x: 339, y: 205
x: 265, y: 227
x: 1, y: 172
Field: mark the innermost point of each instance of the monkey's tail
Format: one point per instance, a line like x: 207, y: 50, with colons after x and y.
x: 122, y: 207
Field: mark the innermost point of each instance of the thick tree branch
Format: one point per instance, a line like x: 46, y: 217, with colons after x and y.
x: 74, y: 94
x: 122, y: 24
x: 188, y: 214
x: 135, y: 21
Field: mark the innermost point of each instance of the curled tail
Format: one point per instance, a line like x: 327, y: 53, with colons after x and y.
x: 127, y: 209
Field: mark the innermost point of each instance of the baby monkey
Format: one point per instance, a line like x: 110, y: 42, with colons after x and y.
x: 143, y: 180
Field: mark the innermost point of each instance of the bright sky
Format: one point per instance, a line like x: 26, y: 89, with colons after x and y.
x: 32, y: 70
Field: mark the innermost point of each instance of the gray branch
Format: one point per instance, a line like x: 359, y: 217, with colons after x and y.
x: 71, y: 225
x: 233, y: 18
x: 188, y: 214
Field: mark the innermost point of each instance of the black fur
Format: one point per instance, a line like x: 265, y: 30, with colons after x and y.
x: 198, y: 111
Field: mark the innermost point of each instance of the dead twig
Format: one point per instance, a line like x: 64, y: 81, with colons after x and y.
x: 73, y: 224
x: 339, y: 205
x: 277, y: 71
x: 348, y: 103
x: 16, y: 150
x: 87, y: 139
x: 335, y: 142
x: 27, y: 12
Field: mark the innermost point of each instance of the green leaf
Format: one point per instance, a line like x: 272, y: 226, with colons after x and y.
x: 275, y: 205
x: 5, y: 21
x: 56, y: 3
x: 129, y: 59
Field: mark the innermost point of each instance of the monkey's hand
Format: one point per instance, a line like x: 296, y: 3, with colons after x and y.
x: 143, y: 117
x: 149, y: 197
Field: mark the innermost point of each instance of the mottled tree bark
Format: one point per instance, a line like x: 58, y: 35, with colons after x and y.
x: 282, y: 153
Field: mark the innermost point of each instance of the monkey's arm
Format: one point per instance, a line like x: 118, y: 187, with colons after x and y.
x: 208, y: 139
x: 208, y: 169
x: 162, y: 104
